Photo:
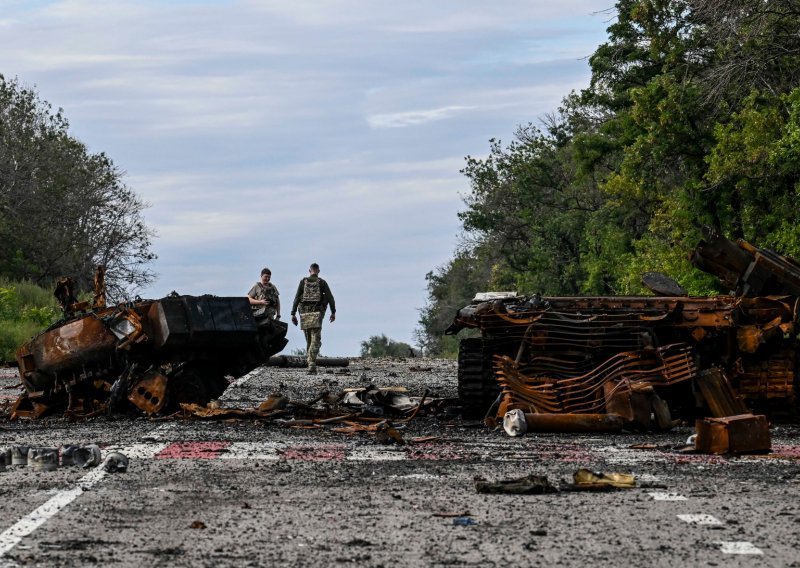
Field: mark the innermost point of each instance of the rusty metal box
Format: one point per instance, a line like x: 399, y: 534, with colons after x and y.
x: 742, y: 434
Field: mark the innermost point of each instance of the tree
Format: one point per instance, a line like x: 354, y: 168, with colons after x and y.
x: 382, y: 346
x: 64, y: 210
x: 691, y: 119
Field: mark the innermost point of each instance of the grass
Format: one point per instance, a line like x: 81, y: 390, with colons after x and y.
x: 25, y: 310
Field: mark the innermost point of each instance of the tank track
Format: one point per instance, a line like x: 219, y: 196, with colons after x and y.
x: 477, y: 389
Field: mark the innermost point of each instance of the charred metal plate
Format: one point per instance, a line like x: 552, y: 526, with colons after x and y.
x: 662, y: 285
x: 74, y: 344
x: 149, y: 392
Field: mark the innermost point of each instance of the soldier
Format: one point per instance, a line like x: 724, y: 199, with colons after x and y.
x: 264, y: 299
x: 313, y: 297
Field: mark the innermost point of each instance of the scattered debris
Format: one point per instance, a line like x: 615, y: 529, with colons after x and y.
x: 464, y: 522
x: 87, y: 456
x: 302, y: 362
x: 385, y: 433
x: 19, y: 455
x: 43, y: 459
x: 587, y: 479
x: 116, y: 462
x: 517, y: 423
x: 742, y: 434
x: 197, y: 525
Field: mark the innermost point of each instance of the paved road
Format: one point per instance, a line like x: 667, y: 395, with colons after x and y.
x: 253, y: 494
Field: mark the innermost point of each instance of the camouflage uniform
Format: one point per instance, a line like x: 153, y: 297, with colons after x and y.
x: 312, y: 312
x: 261, y: 292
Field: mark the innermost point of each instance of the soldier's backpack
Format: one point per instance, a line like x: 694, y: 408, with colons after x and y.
x: 311, y: 291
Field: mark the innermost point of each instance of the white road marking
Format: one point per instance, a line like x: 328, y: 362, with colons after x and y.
x: 241, y: 380
x: 268, y: 451
x: 700, y: 519
x: 32, y: 521
x: 424, y: 476
x: 659, y: 496
x: 12, y: 536
x: 376, y: 454
x: 739, y: 547
x: 648, y: 478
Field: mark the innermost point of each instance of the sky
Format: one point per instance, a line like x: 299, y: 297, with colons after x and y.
x: 280, y: 133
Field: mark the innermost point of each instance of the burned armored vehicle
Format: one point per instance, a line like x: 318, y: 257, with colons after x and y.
x: 148, y: 354
x: 645, y: 358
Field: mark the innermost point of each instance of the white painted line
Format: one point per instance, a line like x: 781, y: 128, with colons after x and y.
x: 241, y: 380
x: 700, y: 519
x: 269, y: 451
x: 32, y: 521
x: 648, y: 478
x: 12, y: 536
x: 158, y: 433
x: 137, y: 451
x: 423, y: 476
x: 659, y: 496
x: 739, y: 547
x: 376, y: 454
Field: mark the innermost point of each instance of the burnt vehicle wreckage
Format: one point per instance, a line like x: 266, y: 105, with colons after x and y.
x: 570, y: 363
x: 151, y: 354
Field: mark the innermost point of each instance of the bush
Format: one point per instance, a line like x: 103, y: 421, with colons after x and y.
x: 25, y: 310
x: 382, y: 346
x: 13, y: 334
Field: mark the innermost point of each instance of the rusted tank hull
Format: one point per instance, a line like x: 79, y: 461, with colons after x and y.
x: 153, y: 354
x: 85, y: 341
x: 563, y: 354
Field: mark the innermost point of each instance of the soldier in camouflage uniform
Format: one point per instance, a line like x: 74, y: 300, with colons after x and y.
x: 264, y: 299
x: 313, y: 297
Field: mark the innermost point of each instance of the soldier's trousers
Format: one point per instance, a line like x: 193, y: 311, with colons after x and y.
x: 313, y: 343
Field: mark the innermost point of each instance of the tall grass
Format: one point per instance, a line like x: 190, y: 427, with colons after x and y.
x: 25, y: 310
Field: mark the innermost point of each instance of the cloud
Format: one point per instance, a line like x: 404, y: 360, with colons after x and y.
x: 274, y: 132
x: 415, y: 117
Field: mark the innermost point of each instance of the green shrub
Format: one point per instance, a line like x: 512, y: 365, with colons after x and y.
x: 25, y: 310
x: 13, y: 334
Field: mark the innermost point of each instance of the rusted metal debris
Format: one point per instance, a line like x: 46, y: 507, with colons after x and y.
x: 301, y: 362
x: 583, y: 480
x: 742, y: 434
x: 149, y: 354
x: 367, y: 405
x: 516, y: 422
x: 642, y: 358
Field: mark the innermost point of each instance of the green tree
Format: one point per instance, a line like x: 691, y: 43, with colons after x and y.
x: 64, y: 210
x: 382, y: 346
x: 691, y: 119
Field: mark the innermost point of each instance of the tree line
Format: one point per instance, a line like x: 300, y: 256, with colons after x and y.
x: 63, y: 209
x: 691, y: 119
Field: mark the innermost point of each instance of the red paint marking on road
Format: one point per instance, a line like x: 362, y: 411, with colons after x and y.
x: 322, y: 452
x: 434, y: 452
x: 192, y: 450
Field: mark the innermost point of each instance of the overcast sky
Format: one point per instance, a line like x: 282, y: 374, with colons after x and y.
x: 280, y: 133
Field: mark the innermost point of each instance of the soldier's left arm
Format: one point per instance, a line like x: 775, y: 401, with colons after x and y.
x: 326, y: 290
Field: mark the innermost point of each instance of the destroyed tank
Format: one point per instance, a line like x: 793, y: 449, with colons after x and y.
x: 645, y: 358
x: 149, y: 354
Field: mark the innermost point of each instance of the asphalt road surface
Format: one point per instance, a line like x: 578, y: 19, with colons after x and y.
x: 249, y: 493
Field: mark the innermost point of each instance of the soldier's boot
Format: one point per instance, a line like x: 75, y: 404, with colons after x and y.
x: 312, y: 370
